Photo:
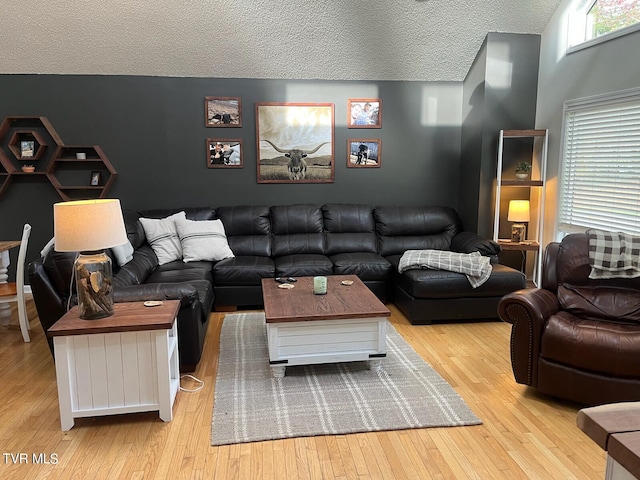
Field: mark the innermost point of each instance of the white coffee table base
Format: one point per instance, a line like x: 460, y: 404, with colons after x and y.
x: 326, y: 341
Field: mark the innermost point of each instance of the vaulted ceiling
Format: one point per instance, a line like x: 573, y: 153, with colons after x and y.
x: 424, y: 40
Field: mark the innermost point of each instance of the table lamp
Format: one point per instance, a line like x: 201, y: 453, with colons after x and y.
x: 518, y: 212
x: 88, y: 227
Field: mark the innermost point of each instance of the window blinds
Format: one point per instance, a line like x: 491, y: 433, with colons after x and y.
x: 600, y: 176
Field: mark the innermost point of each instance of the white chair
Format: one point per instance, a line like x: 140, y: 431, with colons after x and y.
x: 14, y: 291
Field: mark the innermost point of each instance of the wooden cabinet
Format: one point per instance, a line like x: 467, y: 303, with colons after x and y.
x: 515, y: 146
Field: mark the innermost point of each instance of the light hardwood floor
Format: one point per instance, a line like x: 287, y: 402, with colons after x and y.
x: 523, y: 435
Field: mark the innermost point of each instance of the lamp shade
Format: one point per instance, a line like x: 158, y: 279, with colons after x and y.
x: 88, y: 225
x: 518, y: 211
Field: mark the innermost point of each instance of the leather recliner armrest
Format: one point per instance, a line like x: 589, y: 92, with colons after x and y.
x: 528, y: 311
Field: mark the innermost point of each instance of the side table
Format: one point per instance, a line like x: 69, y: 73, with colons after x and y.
x: 120, y: 364
x: 615, y: 428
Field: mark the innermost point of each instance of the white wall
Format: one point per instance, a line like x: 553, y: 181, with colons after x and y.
x: 603, y: 68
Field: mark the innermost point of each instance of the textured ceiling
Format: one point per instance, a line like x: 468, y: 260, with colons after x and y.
x: 428, y: 40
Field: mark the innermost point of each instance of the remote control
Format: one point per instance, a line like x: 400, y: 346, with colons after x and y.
x: 280, y: 280
x: 291, y: 279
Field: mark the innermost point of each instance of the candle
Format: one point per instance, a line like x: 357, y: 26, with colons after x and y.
x: 319, y: 285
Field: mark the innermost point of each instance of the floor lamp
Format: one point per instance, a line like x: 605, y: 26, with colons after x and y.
x: 89, y: 227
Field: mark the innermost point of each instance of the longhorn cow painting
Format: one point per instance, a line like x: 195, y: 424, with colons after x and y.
x: 295, y: 142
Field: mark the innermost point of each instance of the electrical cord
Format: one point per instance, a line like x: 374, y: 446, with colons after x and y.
x: 192, y: 390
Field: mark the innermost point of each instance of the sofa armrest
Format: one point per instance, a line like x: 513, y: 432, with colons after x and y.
x: 528, y: 311
x: 469, y: 242
x: 185, y: 292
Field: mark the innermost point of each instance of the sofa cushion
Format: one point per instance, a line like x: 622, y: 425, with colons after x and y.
x: 349, y: 228
x: 136, y: 271
x: 367, y: 266
x: 426, y: 283
x: 179, y: 271
x: 297, y: 229
x: 601, y: 302
x: 248, y: 229
x: 243, y: 270
x: 415, y: 228
x: 602, y: 347
x: 162, y: 235
x: 202, y: 240
x: 303, y: 265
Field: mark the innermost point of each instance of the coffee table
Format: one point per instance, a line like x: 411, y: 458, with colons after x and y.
x: 346, y: 324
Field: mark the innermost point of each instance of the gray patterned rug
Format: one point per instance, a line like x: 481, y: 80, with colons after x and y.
x: 251, y: 405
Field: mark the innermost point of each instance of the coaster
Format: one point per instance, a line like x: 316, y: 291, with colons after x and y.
x: 287, y: 286
x: 347, y: 282
x: 152, y: 303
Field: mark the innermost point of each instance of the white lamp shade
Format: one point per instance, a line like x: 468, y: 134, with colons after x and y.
x: 88, y: 225
x: 518, y: 211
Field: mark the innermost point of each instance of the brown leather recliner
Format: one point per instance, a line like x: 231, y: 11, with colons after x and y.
x: 576, y: 338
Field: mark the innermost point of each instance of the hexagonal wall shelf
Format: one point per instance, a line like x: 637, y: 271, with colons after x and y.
x: 81, y: 172
x: 76, y: 172
x: 6, y: 169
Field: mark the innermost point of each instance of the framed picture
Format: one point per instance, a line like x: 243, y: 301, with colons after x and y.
x: 95, y: 178
x: 27, y: 148
x: 224, y: 153
x: 365, y: 113
x: 364, y: 152
x: 295, y: 142
x: 223, y: 111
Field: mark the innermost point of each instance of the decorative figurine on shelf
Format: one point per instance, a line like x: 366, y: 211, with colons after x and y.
x: 523, y: 170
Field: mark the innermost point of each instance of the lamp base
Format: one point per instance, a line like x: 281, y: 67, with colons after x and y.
x: 93, y: 283
x: 518, y: 232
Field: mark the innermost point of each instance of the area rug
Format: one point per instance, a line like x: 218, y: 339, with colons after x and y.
x: 251, y: 405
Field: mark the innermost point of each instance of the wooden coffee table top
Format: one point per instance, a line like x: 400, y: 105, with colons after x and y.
x: 301, y: 304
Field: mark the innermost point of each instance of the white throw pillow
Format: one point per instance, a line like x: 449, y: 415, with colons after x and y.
x: 163, y: 237
x: 123, y: 253
x: 203, y: 240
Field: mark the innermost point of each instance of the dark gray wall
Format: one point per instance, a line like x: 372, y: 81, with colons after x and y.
x: 502, y: 86
x: 152, y: 130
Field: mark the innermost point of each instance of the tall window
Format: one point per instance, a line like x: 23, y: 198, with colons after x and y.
x: 600, y: 20
x: 600, y: 165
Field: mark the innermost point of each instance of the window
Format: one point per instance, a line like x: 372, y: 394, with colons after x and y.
x: 597, y: 21
x: 600, y: 164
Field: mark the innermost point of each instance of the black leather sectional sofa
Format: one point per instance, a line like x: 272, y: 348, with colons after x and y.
x: 294, y: 240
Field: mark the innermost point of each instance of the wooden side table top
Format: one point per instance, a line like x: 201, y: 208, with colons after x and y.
x: 301, y: 304
x: 8, y: 244
x: 600, y: 422
x: 616, y: 429
x: 527, y: 245
x: 127, y: 317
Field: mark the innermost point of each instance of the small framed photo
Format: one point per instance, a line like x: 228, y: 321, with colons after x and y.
x: 223, y: 111
x: 365, y: 113
x: 224, y: 153
x: 27, y: 148
x: 96, y: 177
x: 364, y: 152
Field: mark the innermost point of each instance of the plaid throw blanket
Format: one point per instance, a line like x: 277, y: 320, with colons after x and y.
x: 613, y: 254
x: 476, y: 267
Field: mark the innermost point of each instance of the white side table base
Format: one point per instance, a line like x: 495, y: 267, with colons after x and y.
x: 114, y: 373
